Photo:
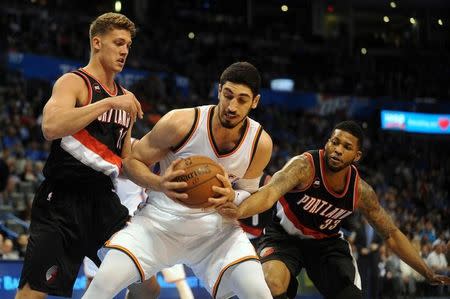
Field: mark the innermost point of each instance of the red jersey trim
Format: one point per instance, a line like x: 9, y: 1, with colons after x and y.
x: 305, y: 230
x: 324, y: 178
x: 355, y: 188
x: 88, y: 84
x: 111, y: 93
x: 255, y: 231
x: 97, y: 147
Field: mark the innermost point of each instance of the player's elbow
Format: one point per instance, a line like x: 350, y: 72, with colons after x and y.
x: 50, y: 132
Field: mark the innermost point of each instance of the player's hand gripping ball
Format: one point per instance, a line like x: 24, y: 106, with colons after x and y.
x: 200, y: 176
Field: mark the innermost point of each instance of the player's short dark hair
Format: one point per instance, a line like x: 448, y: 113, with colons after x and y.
x: 242, y: 73
x: 353, y: 128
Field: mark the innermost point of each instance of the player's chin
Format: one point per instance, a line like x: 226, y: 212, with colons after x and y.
x: 231, y: 123
x: 335, y: 165
x: 118, y: 69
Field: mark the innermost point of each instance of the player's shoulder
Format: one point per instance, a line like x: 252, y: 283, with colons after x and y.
x: 303, y: 158
x: 69, y: 81
x: 180, y: 114
x: 178, y: 120
x: 364, y: 188
x: 303, y: 162
x: 265, y: 142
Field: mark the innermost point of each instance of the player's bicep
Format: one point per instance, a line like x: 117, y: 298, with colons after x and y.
x: 148, y: 150
x: 296, y: 172
x: 65, y: 92
x: 374, y: 212
x: 168, y: 132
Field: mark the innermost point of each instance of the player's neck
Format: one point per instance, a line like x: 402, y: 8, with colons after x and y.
x: 100, y: 73
x: 226, y: 138
x: 336, y: 180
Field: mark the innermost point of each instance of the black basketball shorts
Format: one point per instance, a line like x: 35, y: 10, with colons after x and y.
x: 68, y: 222
x: 328, y: 262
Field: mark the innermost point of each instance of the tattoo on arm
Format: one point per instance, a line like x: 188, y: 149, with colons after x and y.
x: 297, y: 172
x: 374, y: 213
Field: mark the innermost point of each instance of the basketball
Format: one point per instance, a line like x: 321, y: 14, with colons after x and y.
x: 200, y: 176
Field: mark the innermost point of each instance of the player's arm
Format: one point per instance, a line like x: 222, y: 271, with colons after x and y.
x: 250, y: 182
x: 128, y: 141
x: 168, y: 132
x: 261, y: 158
x: 368, y: 204
x: 61, y: 117
x: 297, y: 172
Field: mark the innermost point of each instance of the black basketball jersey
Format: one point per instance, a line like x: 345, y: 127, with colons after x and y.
x: 317, y: 211
x: 255, y: 224
x: 95, y: 151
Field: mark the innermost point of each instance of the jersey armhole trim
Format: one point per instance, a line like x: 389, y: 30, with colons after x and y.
x: 355, y: 190
x: 88, y: 85
x: 255, y: 144
x: 190, y: 133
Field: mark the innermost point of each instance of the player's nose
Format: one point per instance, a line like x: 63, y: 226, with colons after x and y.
x: 338, y: 149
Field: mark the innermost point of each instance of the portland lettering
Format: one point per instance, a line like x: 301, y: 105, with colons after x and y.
x: 120, y: 117
x: 323, y: 208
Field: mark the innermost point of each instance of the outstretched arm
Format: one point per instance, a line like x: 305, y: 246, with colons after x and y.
x: 249, y: 183
x: 394, y: 238
x: 296, y: 173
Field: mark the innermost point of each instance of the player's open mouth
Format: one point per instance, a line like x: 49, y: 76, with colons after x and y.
x: 230, y: 116
x: 335, y: 159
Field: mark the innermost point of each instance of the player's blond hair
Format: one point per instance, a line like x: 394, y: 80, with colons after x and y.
x: 109, y: 21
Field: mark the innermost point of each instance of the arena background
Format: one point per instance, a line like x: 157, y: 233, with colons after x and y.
x: 383, y: 63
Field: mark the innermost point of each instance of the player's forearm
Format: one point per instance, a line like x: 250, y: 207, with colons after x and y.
x: 59, y: 122
x: 257, y: 203
x: 127, y: 144
x: 140, y: 173
x: 401, y: 246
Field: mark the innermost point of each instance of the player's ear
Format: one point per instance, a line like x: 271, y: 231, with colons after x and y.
x: 219, y: 91
x: 255, y: 101
x: 358, y: 156
x: 96, y: 43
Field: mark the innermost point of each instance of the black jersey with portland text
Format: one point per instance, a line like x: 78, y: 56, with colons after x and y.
x: 317, y: 211
x: 95, y: 151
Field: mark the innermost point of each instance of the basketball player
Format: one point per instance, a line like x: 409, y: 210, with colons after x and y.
x: 165, y: 232
x: 131, y: 196
x: 88, y: 118
x: 253, y: 226
x: 315, y: 192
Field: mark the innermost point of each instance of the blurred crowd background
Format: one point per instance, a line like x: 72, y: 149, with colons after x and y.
x: 392, y: 50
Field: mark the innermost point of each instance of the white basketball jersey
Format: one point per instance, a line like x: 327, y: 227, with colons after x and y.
x: 130, y: 194
x: 201, y: 142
